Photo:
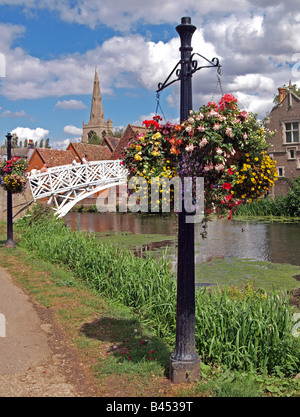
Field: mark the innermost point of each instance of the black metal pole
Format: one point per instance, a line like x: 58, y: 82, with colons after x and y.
x: 185, y: 361
x: 10, y: 242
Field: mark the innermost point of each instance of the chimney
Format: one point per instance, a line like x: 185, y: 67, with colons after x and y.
x: 282, y: 94
x: 30, y: 144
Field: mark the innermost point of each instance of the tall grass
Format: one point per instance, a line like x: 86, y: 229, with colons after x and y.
x: 265, y: 207
x: 251, y: 332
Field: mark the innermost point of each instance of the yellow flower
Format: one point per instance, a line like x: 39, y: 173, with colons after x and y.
x: 138, y: 157
x: 156, y: 136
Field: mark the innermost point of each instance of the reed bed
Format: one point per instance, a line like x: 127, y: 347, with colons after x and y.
x: 284, y: 205
x: 249, y: 332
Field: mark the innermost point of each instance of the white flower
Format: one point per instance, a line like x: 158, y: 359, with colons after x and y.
x: 219, y: 151
x: 189, y: 128
x: 212, y: 113
x: 245, y: 136
x: 189, y: 148
x: 191, y: 120
x: 217, y: 126
x: 229, y: 132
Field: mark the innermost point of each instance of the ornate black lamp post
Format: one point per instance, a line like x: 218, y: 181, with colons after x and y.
x: 185, y: 361
x: 10, y: 242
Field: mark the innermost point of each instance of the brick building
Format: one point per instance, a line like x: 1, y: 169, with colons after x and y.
x: 50, y: 157
x: 92, y: 152
x: 130, y: 132
x: 284, y: 119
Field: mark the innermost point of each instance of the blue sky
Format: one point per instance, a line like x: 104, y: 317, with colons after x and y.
x: 49, y: 50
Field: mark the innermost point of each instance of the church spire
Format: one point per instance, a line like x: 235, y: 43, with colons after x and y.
x: 97, y: 122
x: 97, y: 114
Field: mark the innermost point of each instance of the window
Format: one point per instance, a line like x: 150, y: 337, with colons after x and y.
x: 292, y: 132
x: 291, y: 153
x: 280, y: 171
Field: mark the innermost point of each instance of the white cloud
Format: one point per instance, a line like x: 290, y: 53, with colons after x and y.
x: 70, y: 104
x: 27, y: 133
x: 8, y: 113
x: 72, y: 130
x: 255, y: 41
x: 63, y: 144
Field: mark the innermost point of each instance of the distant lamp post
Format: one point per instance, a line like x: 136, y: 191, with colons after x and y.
x: 10, y: 242
x: 185, y: 361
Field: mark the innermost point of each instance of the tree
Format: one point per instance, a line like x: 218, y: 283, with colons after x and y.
x: 95, y: 139
x: 41, y: 143
x: 47, y: 143
x: 118, y: 132
x: 25, y: 143
x: 14, y: 141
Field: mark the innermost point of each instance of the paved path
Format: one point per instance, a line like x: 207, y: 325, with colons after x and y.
x: 35, y: 358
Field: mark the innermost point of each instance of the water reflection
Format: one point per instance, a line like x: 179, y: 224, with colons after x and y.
x: 125, y: 222
x: 274, y: 242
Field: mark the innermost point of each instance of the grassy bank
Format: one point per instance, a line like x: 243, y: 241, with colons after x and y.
x: 237, y: 331
x: 129, y: 346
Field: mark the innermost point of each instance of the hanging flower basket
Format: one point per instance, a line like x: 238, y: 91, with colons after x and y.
x: 221, y: 143
x: 12, y: 175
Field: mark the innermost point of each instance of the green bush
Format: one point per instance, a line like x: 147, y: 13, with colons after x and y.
x: 287, y: 206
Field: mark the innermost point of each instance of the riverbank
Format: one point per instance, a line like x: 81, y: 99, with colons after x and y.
x: 118, y: 336
x: 101, y: 333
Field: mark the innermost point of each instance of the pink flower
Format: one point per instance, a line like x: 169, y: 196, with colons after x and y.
x: 219, y: 151
x: 203, y: 142
x: 201, y: 128
x: 200, y: 116
x: 209, y: 167
x: 219, y: 167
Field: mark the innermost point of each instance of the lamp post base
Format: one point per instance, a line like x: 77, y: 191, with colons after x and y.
x: 184, y: 371
x: 10, y: 244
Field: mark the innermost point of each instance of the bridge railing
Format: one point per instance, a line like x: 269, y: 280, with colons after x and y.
x: 65, y: 178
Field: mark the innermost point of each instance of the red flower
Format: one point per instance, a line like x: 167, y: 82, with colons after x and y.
x: 226, y: 186
x: 230, y: 171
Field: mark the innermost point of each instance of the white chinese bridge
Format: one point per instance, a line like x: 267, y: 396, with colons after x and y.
x: 67, y: 185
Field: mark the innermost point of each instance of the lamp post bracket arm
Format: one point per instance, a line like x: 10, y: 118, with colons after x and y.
x: 162, y: 86
x: 213, y: 63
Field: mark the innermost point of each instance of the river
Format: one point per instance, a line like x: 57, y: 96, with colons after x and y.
x: 261, y: 241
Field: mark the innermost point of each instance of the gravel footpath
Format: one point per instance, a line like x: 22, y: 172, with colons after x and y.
x: 35, y: 357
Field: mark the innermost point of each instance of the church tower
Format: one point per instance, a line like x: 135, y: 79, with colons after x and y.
x: 97, y: 122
